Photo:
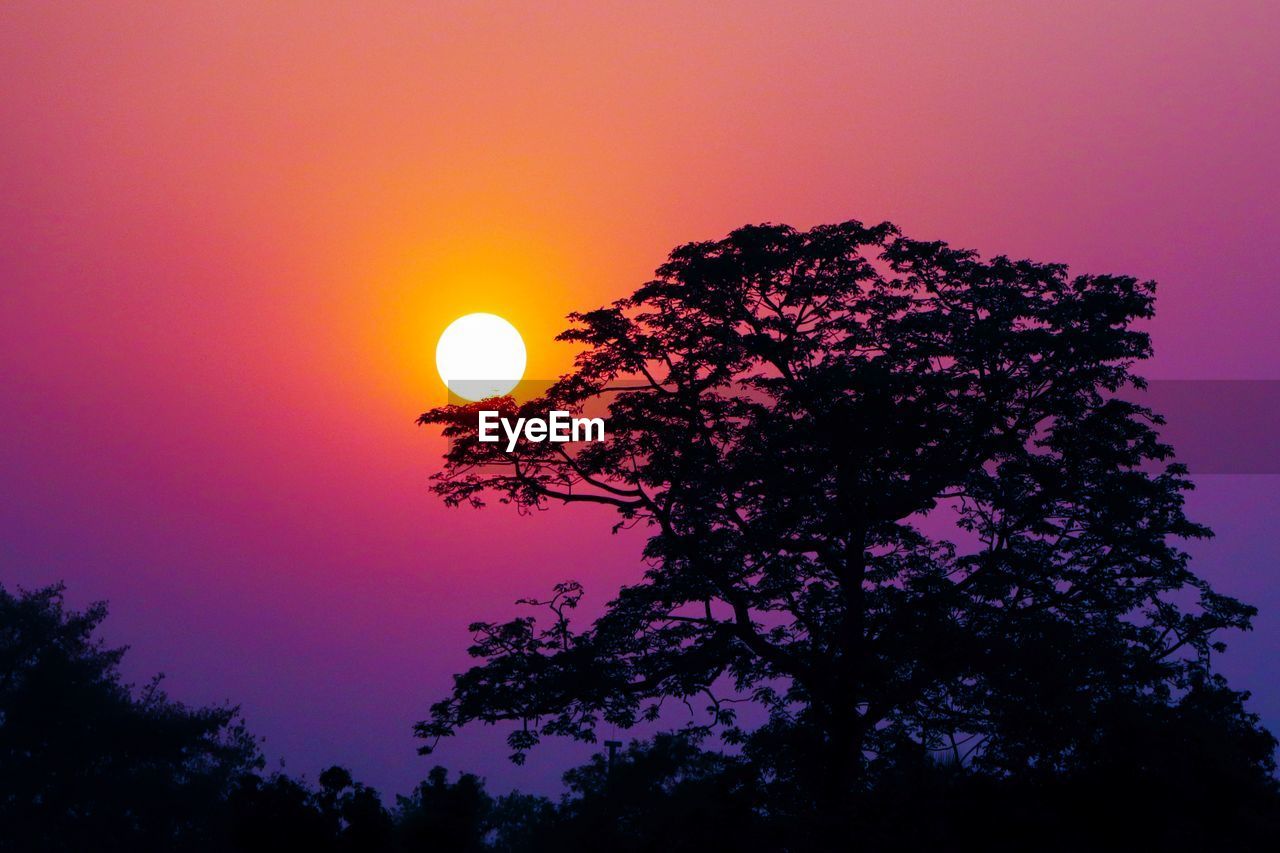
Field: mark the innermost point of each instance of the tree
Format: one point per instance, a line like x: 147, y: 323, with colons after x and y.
x: 667, y: 794
x: 445, y: 815
x: 89, y: 763
x: 282, y: 813
x: 278, y: 812
x: 365, y: 826
x: 893, y: 493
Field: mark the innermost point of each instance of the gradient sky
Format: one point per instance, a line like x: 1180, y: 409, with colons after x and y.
x: 230, y: 234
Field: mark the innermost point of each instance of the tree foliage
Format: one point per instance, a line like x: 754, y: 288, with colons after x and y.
x: 87, y: 762
x: 893, y: 493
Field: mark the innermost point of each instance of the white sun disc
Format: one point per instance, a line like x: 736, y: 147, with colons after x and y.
x: 480, y: 356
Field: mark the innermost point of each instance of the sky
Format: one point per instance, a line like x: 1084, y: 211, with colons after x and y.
x: 231, y: 233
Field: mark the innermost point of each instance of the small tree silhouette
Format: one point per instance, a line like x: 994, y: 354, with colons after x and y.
x: 892, y: 495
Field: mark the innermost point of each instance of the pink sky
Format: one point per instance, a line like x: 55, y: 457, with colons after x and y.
x: 230, y: 234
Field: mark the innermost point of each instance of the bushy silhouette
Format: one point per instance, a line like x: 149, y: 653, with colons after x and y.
x: 894, y: 495
x: 524, y: 823
x: 364, y: 824
x: 450, y: 816
x: 667, y: 794
x: 90, y: 763
x: 281, y: 813
x: 278, y: 813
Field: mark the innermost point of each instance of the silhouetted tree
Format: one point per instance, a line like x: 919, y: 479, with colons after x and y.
x: 87, y: 762
x: 444, y: 815
x: 281, y: 813
x: 893, y: 494
x: 524, y: 823
x: 666, y: 794
x: 364, y: 824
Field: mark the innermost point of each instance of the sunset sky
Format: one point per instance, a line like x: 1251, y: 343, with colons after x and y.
x: 231, y: 234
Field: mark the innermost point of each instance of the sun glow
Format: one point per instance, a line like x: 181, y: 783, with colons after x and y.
x: 480, y: 356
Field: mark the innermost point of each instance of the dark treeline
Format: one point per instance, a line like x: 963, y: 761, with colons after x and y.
x: 88, y: 763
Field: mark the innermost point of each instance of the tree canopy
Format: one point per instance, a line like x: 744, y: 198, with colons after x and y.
x: 893, y: 493
x: 88, y: 762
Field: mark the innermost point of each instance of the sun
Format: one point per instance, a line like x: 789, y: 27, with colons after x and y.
x: 480, y: 356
